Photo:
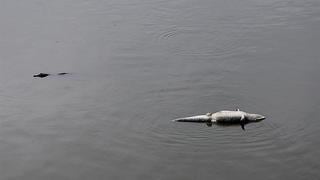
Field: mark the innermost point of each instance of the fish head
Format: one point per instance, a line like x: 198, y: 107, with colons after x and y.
x: 255, y: 117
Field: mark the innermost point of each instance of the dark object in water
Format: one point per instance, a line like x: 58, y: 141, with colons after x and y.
x: 42, y: 75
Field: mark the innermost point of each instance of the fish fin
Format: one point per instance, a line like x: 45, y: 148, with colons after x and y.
x: 209, y: 124
x: 242, y: 122
x: 242, y: 118
x: 242, y: 126
x: 209, y: 114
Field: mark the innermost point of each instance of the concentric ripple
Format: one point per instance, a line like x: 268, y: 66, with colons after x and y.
x: 196, y: 41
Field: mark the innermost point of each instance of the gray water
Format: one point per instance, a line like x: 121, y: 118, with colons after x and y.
x: 137, y: 64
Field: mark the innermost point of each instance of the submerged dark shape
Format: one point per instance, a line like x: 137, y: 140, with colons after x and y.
x: 224, y: 118
x: 42, y: 75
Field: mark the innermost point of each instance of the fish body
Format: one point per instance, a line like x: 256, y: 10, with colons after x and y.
x: 224, y: 117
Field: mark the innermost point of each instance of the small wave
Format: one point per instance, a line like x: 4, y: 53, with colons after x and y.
x: 192, y: 41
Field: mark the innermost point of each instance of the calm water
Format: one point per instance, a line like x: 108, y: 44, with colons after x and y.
x: 137, y: 64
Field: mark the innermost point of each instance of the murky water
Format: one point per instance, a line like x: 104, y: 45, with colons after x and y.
x: 137, y: 64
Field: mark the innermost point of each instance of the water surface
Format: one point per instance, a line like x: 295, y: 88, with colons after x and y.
x: 137, y: 64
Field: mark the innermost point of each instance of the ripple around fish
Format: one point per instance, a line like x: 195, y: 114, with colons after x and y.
x: 273, y: 138
x: 173, y: 136
x: 156, y: 134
